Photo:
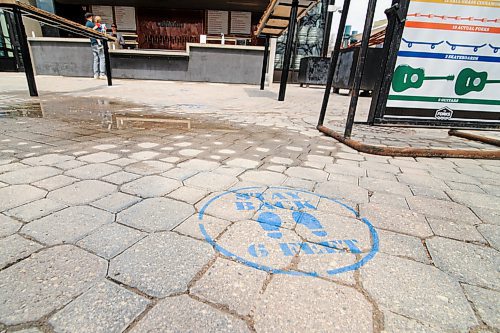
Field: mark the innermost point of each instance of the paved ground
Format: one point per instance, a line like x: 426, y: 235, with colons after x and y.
x: 250, y: 221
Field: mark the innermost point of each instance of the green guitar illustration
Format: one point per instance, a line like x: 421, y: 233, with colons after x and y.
x: 469, y: 80
x: 406, y: 77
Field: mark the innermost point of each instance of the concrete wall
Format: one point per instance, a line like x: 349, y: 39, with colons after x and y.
x: 73, y: 57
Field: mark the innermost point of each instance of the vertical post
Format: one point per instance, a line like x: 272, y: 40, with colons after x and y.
x: 333, y: 63
x: 107, y: 61
x: 391, y: 46
x: 271, y: 62
x: 264, y: 63
x: 288, y: 50
x: 328, y: 28
x: 360, y: 66
x: 25, y: 52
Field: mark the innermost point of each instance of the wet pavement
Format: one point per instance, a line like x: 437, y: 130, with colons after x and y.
x: 214, y: 208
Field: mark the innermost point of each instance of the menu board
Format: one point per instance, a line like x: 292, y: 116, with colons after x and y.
x: 125, y: 18
x: 241, y: 23
x: 448, y: 65
x: 106, y: 14
x: 217, y: 22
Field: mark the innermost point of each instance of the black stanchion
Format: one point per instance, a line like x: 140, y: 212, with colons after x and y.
x: 107, y: 62
x: 288, y: 50
x: 360, y: 66
x: 328, y: 28
x: 25, y: 52
x: 333, y: 63
x: 265, y: 62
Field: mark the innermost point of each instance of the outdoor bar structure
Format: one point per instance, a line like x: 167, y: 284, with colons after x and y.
x: 192, y: 40
x: 20, y: 10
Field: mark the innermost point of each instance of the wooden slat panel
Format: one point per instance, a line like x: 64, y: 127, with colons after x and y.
x: 281, y: 8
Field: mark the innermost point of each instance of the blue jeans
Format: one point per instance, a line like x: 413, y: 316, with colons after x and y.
x: 99, y: 63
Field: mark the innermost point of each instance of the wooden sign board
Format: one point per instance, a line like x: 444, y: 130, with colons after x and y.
x: 125, y: 18
x: 217, y: 22
x: 241, y: 23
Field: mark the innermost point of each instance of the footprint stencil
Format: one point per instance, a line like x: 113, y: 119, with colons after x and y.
x: 271, y: 223
x: 310, y: 222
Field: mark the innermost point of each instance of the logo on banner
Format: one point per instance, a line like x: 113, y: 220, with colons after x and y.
x: 444, y: 113
x: 289, y: 231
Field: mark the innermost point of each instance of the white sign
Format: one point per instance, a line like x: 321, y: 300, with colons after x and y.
x: 106, y: 14
x: 241, y: 23
x: 217, y: 22
x: 449, y: 59
x: 125, y: 18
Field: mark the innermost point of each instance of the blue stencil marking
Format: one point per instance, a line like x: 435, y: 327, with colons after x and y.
x: 271, y: 223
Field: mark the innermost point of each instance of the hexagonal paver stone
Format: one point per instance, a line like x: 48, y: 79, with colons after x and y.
x: 55, y: 182
x: 30, y: 330
x: 396, y: 323
x: 396, y: 219
x: 48, y: 159
x: 8, y: 226
x: 116, y: 202
x: 307, y: 173
x: 92, y: 171
x: 99, y: 157
x: 161, y: 264
x: 188, y: 194
x: 144, y: 155
x: 311, y: 305
x: 491, y: 233
x: 149, y: 167
x: 402, y: 246
x: 35, y: 210
x: 68, y: 225
x: 120, y: 177
x: 211, y: 181
x: 458, y: 231
x: 151, y: 186
x: 156, y: 214
x: 442, y: 209
x: 82, y: 192
x: 46, y: 281
x: 343, y: 191
x: 190, y: 152
x: 212, y: 225
x: 475, y: 199
x: 486, y: 302
x: 28, y: 175
x: 17, y: 195
x: 243, y: 163
x: 231, y: 284
x: 470, y: 263
x: 263, y: 177
x: 105, y: 308
x: 417, y: 291
x: 199, y: 165
x: 110, y: 240
x: 184, y: 314
x: 15, y: 247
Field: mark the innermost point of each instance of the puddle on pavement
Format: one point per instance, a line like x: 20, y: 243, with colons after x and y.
x: 112, y: 115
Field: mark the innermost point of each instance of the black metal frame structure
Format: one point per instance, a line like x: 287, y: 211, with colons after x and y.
x: 280, y: 23
x: 20, y: 9
x: 396, y: 20
x: 265, y: 63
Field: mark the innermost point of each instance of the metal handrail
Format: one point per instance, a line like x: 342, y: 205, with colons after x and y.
x: 53, y: 20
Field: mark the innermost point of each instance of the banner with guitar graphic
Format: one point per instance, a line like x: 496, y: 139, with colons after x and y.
x: 448, y: 65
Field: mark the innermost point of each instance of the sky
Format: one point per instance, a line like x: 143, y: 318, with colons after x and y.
x: 357, y: 14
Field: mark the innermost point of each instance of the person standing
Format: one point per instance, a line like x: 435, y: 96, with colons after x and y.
x: 97, y: 49
x: 120, y: 41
